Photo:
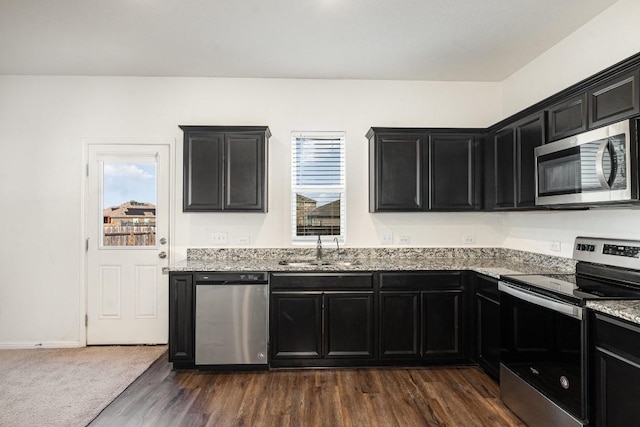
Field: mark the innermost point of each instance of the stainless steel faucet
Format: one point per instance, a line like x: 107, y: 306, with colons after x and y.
x: 335, y: 239
x: 319, y: 250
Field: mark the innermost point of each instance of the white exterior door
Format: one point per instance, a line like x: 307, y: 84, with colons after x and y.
x: 127, y: 230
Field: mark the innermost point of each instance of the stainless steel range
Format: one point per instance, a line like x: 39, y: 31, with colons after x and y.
x: 543, y: 371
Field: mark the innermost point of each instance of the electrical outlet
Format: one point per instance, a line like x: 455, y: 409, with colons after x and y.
x: 386, y: 238
x: 469, y: 240
x: 219, y: 238
x: 404, y: 240
x: 555, y: 246
x: 244, y: 240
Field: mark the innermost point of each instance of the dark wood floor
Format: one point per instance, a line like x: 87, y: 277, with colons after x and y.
x: 320, y: 397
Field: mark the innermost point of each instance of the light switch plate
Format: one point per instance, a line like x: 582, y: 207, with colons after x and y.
x: 386, y: 238
x: 219, y: 238
x: 556, y: 246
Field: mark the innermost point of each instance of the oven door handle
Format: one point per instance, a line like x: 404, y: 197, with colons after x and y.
x: 560, y: 307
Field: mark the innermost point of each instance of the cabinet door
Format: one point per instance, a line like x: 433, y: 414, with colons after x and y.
x: 529, y: 135
x: 349, y: 324
x: 488, y: 334
x: 400, y: 330
x: 441, y: 312
x: 504, y: 172
x: 453, y: 172
x: 398, y: 172
x: 296, y: 325
x: 567, y: 118
x: 614, y: 100
x: 202, y: 171
x: 245, y: 186
x: 617, y: 389
x: 181, y: 318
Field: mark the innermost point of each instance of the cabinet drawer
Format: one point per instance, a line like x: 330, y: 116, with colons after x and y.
x: 420, y: 280
x: 488, y: 287
x: 324, y: 281
x: 618, y: 336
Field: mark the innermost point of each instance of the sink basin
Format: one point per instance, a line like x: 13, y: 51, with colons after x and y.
x: 314, y: 263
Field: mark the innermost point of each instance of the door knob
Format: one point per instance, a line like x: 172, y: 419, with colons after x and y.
x: 162, y: 255
x: 163, y: 241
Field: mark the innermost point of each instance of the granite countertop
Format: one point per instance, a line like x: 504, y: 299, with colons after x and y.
x: 626, y: 310
x: 493, y: 262
x: 493, y: 267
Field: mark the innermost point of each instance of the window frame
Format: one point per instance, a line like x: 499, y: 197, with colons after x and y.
x: 340, y: 188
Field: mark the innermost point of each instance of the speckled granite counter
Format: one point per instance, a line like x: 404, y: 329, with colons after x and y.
x: 489, y: 261
x: 627, y: 310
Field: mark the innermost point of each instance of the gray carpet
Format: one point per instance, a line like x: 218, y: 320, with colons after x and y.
x: 67, y: 387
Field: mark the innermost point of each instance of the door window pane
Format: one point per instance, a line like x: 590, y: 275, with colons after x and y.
x: 129, y: 197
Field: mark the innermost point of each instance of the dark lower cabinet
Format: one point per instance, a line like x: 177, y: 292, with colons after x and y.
x: 400, y: 325
x: 615, y: 369
x: 315, y: 324
x: 296, y: 329
x: 348, y: 325
x: 442, y: 323
x: 181, y: 320
x: 487, y: 320
x: 422, y: 316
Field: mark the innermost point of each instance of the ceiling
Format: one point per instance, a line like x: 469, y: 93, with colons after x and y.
x: 455, y: 40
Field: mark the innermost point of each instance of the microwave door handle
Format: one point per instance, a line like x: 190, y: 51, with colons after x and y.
x: 614, y: 162
x: 604, y: 182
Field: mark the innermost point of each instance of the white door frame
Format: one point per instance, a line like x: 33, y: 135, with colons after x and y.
x: 84, y: 200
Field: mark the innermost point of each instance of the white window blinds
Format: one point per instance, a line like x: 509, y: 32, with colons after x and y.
x: 318, y: 185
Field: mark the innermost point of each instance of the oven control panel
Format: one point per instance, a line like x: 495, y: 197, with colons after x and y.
x: 628, y: 251
x: 620, y: 253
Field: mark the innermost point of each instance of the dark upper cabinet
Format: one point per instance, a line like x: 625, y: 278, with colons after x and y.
x: 455, y: 172
x: 529, y: 134
x: 567, y: 117
x: 396, y: 175
x: 225, y: 168
x: 413, y: 170
x: 615, y: 99
x: 600, y: 103
x: 181, y: 320
x: 512, y: 163
x: 503, y: 149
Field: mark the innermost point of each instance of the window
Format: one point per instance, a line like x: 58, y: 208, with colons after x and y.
x: 318, y: 205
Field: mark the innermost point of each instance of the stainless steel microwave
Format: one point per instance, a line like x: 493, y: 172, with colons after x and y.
x: 595, y: 167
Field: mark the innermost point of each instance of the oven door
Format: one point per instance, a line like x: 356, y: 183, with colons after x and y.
x: 542, y: 344
x: 588, y: 168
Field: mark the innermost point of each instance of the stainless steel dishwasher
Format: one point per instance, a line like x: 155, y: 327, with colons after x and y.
x: 232, y: 319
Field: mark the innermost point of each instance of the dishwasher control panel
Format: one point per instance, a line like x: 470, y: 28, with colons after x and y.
x: 232, y: 277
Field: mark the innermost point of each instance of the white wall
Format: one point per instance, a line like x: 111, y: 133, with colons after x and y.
x: 43, y: 121
x: 611, y: 37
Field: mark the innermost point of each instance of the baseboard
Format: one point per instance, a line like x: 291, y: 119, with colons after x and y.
x: 47, y: 344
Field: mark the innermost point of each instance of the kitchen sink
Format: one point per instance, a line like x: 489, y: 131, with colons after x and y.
x: 316, y: 263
